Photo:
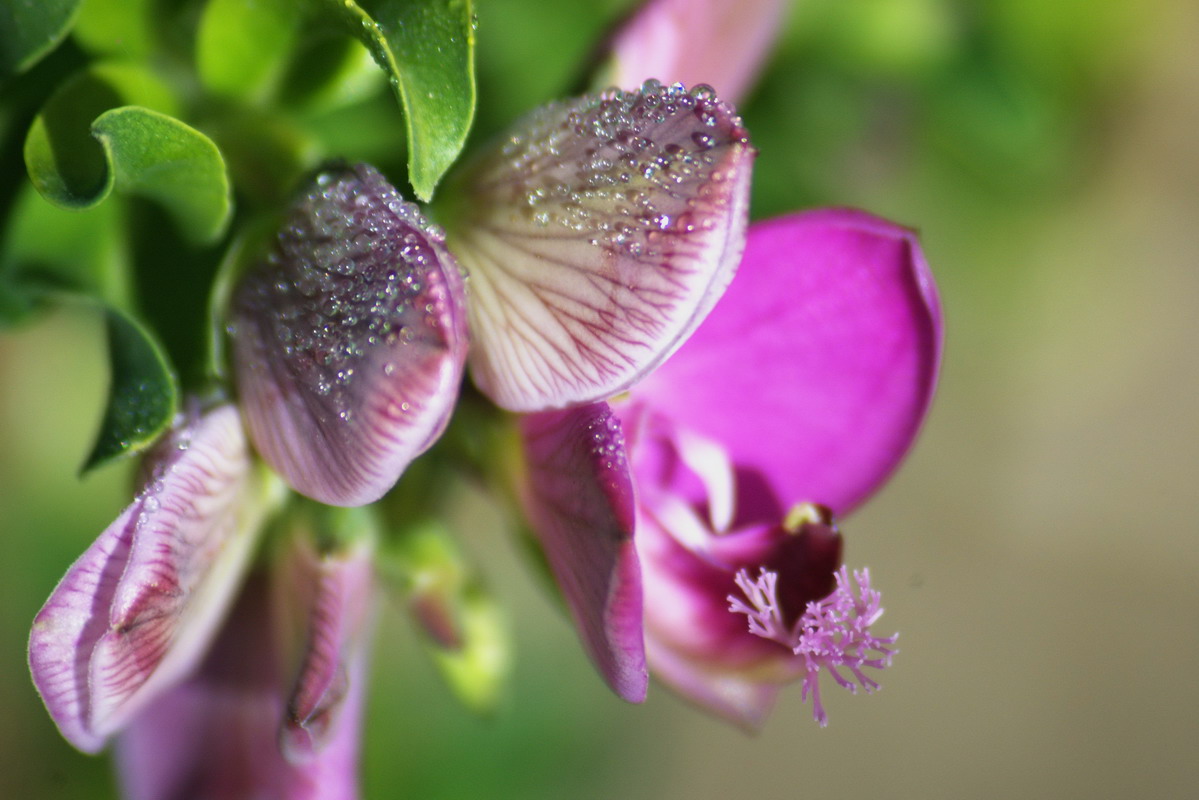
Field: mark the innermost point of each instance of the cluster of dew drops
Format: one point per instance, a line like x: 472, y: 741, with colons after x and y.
x: 348, y: 280
x: 626, y: 169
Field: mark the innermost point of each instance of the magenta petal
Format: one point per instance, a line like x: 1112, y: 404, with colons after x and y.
x: 740, y: 698
x: 349, y: 340
x: 597, y: 236
x: 216, y: 736
x: 579, y: 501
x: 817, y: 367
x: 718, y: 42
x: 135, y: 613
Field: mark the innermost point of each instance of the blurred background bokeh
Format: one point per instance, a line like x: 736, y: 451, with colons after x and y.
x: 1037, y: 552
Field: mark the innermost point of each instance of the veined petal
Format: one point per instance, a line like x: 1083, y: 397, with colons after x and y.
x: 339, y: 598
x: 718, y: 42
x: 136, y: 612
x: 349, y: 339
x: 817, y: 367
x: 579, y: 500
x: 596, y: 238
x: 216, y: 735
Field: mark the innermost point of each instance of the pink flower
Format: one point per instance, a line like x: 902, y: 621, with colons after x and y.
x: 793, y: 402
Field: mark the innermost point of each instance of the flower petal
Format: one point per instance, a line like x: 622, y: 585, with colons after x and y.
x: 740, y: 698
x: 579, y: 500
x: 349, y: 339
x: 217, y: 734
x: 819, y: 364
x: 135, y: 613
x: 596, y: 238
x: 718, y: 42
x: 339, y: 603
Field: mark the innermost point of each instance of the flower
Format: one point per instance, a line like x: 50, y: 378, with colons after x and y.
x: 136, y: 612
x: 348, y: 341
x: 792, y: 403
x: 794, y: 400
x: 271, y: 733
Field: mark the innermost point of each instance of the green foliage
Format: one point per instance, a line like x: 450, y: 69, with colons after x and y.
x: 161, y: 158
x: 462, y: 626
x: 142, y: 397
x: 427, y: 49
x: 65, y: 162
x: 29, y: 29
x: 242, y: 47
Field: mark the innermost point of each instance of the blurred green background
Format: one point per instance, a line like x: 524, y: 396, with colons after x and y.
x: 1037, y: 550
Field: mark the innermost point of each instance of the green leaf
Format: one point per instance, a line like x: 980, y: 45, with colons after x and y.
x: 329, y: 72
x: 143, y: 397
x: 80, y: 147
x: 30, y: 29
x: 242, y: 45
x: 66, y: 164
x: 427, y: 49
x: 161, y: 158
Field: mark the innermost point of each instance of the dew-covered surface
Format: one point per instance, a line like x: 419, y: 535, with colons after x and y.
x: 348, y: 339
x: 578, y: 496
x: 596, y: 235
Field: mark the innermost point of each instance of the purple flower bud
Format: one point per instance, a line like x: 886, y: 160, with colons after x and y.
x: 349, y: 339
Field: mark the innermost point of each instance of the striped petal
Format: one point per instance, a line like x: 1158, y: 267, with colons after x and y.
x: 334, y: 594
x: 596, y: 237
x: 136, y: 612
x: 217, y: 734
x: 349, y: 339
x: 578, y: 496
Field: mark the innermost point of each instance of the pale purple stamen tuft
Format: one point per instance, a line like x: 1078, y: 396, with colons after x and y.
x: 765, y: 618
x: 833, y: 633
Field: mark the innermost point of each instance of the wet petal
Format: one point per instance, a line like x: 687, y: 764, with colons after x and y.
x: 718, y: 42
x: 217, y: 734
x: 596, y: 238
x: 817, y: 367
x: 579, y: 500
x: 349, y: 339
x: 135, y: 613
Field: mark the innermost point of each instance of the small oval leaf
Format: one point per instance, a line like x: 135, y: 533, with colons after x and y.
x: 159, y: 157
x: 112, y: 126
x: 427, y: 49
x: 143, y: 397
